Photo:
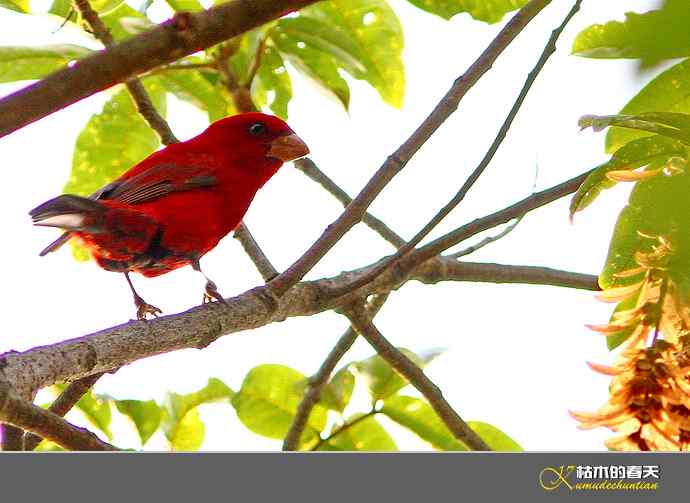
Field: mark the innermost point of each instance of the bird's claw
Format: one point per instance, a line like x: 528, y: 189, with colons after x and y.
x: 144, y: 308
x: 211, y: 293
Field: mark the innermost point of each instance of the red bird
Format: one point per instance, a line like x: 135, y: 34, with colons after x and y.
x: 177, y: 204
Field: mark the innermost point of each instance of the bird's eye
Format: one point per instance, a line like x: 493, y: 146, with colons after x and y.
x: 257, y: 128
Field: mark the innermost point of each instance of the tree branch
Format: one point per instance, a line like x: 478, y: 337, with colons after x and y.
x: 180, y: 36
x: 309, y: 168
x: 517, y: 210
x: 256, y: 254
x: 548, y: 50
x: 397, y: 161
x: 318, y: 380
x: 12, y: 438
x: 64, y: 403
x: 343, y: 428
x: 198, y: 327
x: 25, y: 415
x: 415, y: 376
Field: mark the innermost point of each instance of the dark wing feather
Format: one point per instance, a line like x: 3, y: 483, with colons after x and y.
x: 157, y: 182
x: 146, y: 186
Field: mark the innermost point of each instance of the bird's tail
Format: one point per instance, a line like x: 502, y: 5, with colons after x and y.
x: 68, y: 212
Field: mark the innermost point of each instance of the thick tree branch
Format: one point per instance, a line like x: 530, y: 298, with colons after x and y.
x: 415, y: 376
x: 25, y: 415
x: 12, y: 438
x: 63, y: 404
x: 318, y: 380
x: 113, y: 347
x: 546, y: 53
x: 182, y: 35
x: 397, y: 161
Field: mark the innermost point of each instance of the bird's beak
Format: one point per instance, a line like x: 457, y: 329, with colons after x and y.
x: 288, y: 148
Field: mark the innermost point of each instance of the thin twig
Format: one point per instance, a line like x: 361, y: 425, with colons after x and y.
x: 415, y: 376
x: 343, y: 428
x: 256, y: 62
x: 517, y: 210
x: 318, y: 380
x: 27, y: 416
x: 309, y: 168
x: 397, y: 161
x: 486, y: 241
x: 64, y: 403
x: 548, y: 50
x: 256, y: 254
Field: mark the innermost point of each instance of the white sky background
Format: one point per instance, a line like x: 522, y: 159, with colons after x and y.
x: 516, y: 354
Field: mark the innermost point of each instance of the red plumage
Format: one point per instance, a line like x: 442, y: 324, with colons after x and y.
x: 177, y: 204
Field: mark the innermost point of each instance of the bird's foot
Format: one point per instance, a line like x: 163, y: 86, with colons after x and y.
x: 211, y: 293
x: 144, y: 308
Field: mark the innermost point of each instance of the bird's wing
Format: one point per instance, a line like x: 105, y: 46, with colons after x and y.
x: 156, y: 182
x: 145, y: 186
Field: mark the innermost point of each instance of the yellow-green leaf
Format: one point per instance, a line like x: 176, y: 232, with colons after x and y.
x: 181, y: 422
x: 490, y: 11
x: 651, y: 36
x: 268, y: 399
x: 381, y: 379
x: 363, y: 435
x: 29, y: 63
x: 113, y: 141
x: 146, y: 416
x: 374, y: 30
x: 15, y: 5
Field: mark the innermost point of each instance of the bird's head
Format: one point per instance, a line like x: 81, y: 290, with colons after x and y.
x: 255, y: 135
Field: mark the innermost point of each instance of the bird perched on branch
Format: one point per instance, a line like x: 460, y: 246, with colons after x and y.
x: 177, y: 204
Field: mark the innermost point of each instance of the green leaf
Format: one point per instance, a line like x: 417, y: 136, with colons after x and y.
x: 113, y: 141
x: 363, y: 435
x: 668, y: 92
x: 185, y: 5
x: 61, y: 8
x: 181, y: 422
x: 633, y: 155
x: 490, y: 11
x: 375, y: 40
x: 652, y: 36
x: 188, y: 434
x: 268, y: 401
x: 191, y: 86
x: 123, y: 21
x: 319, y: 66
x: 272, y: 85
x: 15, y: 5
x: 95, y: 408
x: 495, y: 438
x: 669, y: 124
x: 29, y: 63
x: 146, y: 416
x: 336, y: 393
x: 381, y: 379
x: 418, y: 416
x: 659, y: 206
